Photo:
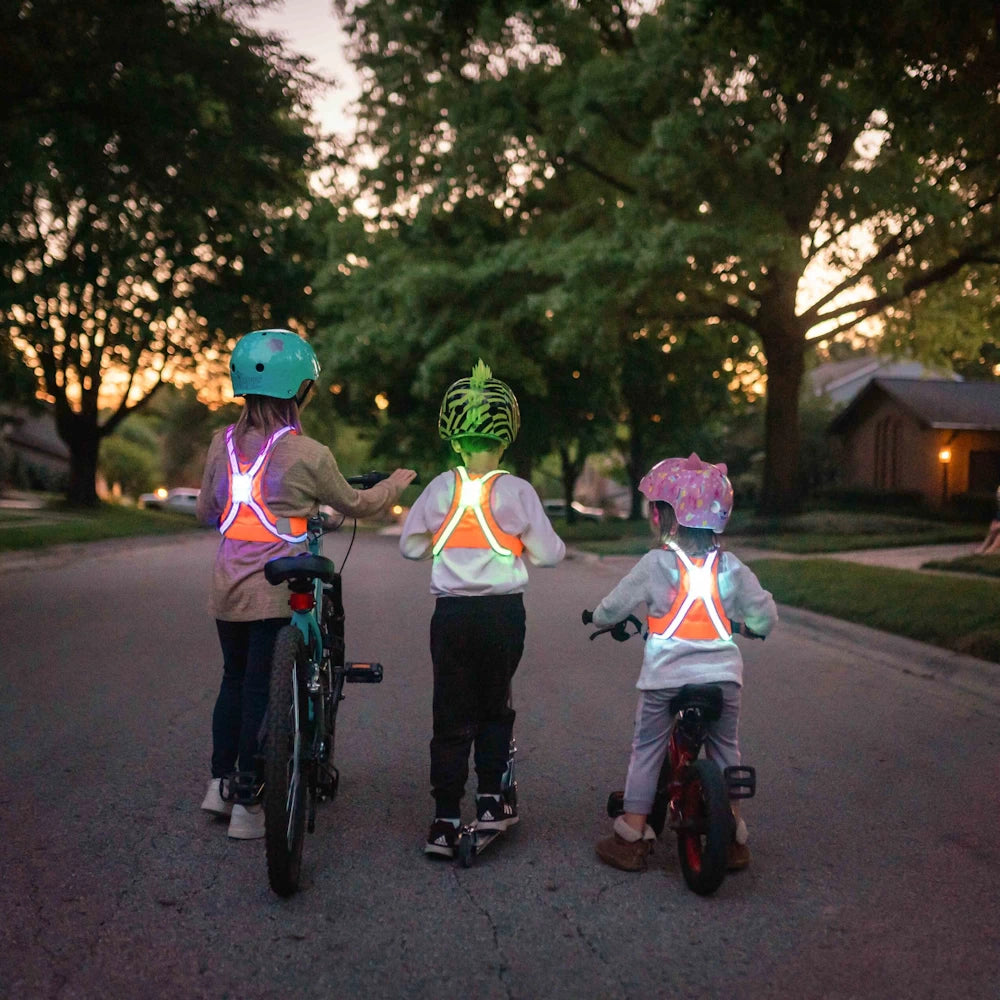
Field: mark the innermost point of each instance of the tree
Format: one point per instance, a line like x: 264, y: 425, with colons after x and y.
x: 155, y: 155
x: 737, y: 148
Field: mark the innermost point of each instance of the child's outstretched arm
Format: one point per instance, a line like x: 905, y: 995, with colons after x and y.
x: 541, y: 543
x: 632, y: 590
x: 749, y: 602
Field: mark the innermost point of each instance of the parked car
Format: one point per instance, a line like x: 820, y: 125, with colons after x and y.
x: 557, y: 508
x: 181, y: 499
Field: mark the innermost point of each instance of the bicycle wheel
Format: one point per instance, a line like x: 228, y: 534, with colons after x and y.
x: 285, y: 789
x: 704, y: 835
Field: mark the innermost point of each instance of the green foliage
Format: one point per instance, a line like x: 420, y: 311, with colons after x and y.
x: 153, y: 156
x: 688, y: 163
x: 133, y: 466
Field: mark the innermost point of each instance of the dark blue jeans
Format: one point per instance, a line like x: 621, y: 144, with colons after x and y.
x: 247, y: 648
x: 476, y: 645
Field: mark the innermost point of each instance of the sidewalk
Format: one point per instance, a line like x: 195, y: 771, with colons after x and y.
x: 911, y: 557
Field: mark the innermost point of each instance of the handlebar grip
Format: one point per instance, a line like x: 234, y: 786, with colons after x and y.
x: 587, y: 617
x: 367, y: 479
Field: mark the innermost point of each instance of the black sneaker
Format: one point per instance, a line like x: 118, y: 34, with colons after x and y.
x: 494, y: 812
x: 441, y: 838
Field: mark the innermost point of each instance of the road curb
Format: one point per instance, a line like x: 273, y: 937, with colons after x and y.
x: 69, y: 552
x: 908, y: 656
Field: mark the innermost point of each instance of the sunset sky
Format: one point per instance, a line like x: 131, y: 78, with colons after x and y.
x: 310, y: 28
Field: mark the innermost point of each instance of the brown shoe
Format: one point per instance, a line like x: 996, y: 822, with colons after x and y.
x: 620, y: 853
x: 738, y: 857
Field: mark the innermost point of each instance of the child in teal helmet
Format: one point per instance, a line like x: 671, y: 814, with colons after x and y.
x: 263, y: 478
x: 478, y: 524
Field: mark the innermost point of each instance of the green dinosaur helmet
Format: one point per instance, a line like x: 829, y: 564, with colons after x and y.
x: 481, y: 405
x: 272, y: 363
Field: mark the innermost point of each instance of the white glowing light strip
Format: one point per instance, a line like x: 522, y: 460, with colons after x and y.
x: 699, y: 589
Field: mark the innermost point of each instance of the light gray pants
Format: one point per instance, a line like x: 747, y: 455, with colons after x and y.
x: 653, y: 723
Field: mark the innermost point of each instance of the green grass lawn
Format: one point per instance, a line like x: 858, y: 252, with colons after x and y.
x: 819, y: 531
x: 56, y: 524
x: 955, y: 613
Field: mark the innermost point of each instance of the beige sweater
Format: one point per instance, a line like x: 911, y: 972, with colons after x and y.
x: 301, y: 475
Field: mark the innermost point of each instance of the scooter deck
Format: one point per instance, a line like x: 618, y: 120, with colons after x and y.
x: 472, y: 842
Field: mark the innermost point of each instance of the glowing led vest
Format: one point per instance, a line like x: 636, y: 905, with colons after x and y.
x: 246, y: 517
x: 469, y: 524
x: 697, y: 611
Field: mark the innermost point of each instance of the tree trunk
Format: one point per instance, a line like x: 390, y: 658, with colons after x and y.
x: 784, y: 347
x: 570, y: 470
x: 83, y: 438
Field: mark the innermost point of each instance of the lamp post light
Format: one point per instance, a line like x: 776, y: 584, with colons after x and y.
x: 944, y: 457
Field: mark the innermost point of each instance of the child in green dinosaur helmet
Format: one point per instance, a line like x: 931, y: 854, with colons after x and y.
x: 263, y: 478
x: 478, y: 524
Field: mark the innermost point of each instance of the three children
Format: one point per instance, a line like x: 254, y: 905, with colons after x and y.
x: 478, y: 524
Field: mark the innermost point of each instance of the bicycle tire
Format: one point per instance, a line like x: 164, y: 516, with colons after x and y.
x: 285, y: 778
x: 706, y: 829
x: 333, y: 641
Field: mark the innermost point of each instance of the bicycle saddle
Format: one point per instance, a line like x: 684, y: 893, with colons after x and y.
x: 707, y: 697
x: 301, y: 570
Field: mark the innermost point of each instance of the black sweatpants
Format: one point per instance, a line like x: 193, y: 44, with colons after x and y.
x: 476, y: 645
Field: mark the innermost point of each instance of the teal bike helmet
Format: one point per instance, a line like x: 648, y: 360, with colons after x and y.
x: 272, y: 363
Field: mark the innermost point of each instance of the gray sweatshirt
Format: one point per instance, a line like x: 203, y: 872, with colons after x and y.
x: 480, y: 572
x: 667, y: 663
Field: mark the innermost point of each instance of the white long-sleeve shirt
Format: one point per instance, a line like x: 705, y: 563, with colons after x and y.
x: 671, y: 662
x: 460, y: 572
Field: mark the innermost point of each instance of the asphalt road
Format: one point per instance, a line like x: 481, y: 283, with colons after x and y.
x: 875, y: 835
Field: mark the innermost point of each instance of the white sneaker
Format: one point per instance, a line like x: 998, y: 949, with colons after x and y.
x: 247, y: 822
x: 213, y: 801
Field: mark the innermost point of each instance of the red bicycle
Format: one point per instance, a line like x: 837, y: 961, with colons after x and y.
x: 692, y: 794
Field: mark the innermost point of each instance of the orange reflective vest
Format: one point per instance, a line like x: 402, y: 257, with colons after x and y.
x: 469, y: 523
x: 697, y: 611
x: 246, y: 516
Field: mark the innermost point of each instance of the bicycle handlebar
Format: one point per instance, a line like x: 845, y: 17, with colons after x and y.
x: 619, y: 631
x: 741, y: 628
x: 368, y: 479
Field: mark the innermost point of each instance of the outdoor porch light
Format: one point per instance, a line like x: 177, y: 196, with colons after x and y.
x: 944, y: 456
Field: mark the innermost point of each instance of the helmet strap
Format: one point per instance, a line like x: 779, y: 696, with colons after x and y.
x: 302, y: 397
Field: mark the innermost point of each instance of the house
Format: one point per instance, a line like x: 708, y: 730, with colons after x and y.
x: 31, y: 452
x: 840, y: 381
x: 935, y: 437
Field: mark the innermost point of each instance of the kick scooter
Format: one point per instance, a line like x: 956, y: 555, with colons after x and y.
x: 471, y: 840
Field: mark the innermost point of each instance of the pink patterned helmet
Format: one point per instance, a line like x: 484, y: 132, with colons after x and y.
x: 699, y: 493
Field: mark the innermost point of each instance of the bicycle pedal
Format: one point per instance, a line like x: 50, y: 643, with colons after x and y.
x: 363, y: 673
x: 241, y: 788
x: 741, y: 782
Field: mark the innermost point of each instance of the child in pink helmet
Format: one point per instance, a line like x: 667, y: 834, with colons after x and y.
x: 691, y: 589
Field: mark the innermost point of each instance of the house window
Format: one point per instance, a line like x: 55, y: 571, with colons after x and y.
x: 984, y: 471
x: 886, y: 452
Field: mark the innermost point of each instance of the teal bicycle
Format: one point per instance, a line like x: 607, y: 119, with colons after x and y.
x: 308, y: 674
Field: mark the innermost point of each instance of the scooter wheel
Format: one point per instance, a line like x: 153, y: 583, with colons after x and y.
x: 616, y: 804
x: 465, y: 849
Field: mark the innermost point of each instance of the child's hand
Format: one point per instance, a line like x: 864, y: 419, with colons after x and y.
x: 399, y: 479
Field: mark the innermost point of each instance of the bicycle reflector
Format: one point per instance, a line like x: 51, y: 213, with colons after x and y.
x: 302, y: 602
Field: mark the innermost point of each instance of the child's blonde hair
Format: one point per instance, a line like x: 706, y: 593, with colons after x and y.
x: 265, y: 414
x: 694, y: 541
